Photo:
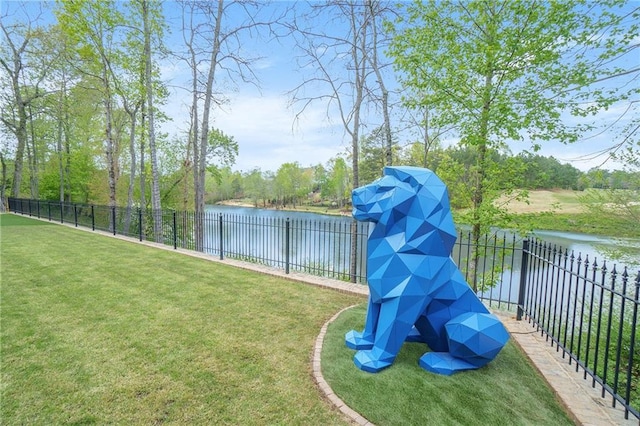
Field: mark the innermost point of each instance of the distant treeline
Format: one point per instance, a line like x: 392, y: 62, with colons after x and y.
x: 330, y: 184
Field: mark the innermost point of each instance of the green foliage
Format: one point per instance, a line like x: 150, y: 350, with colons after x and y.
x: 292, y: 183
x: 497, y: 72
x: 373, y: 156
x: 338, y: 186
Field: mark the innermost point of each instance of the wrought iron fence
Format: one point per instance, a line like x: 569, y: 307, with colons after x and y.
x: 589, y: 311
x: 586, y: 310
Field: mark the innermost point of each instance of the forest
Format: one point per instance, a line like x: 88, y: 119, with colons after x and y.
x: 453, y: 86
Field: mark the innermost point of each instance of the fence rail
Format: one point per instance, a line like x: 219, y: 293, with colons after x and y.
x: 589, y: 311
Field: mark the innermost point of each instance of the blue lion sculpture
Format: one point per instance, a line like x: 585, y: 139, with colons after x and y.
x: 416, y: 291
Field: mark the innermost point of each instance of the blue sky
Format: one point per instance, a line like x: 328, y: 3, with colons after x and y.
x: 263, y: 124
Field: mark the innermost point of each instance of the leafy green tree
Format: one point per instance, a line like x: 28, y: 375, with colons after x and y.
x: 375, y: 154
x: 22, y: 77
x: 292, y: 182
x: 93, y: 29
x: 220, y: 153
x: 497, y: 71
x: 339, y: 182
x: 416, y: 154
x: 224, y: 185
x: 255, y: 187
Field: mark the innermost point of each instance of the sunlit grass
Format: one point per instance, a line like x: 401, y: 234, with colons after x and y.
x: 97, y: 330
x: 508, y: 391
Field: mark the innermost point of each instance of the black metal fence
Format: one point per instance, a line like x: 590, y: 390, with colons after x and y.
x: 586, y: 310
x: 589, y: 311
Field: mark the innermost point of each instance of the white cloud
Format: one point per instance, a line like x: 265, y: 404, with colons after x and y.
x: 265, y: 130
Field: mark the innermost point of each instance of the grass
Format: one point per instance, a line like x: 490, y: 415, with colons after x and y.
x: 584, y: 223
x: 507, y: 391
x: 96, y: 330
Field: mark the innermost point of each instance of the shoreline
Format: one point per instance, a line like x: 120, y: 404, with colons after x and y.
x: 301, y: 209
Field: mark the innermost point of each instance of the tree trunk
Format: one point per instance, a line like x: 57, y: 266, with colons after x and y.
x: 156, y: 207
x: 204, y: 132
x: 478, y: 193
x: 143, y: 171
x: 32, y: 154
x: 360, y: 67
x: 109, y: 145
x: 3, y: 184
x: 373, y: 59
x: 61, y: 179
x: 132, y: 169
x: 21, y: 136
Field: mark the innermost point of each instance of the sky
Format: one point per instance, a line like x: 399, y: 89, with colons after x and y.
x: 263, y: 123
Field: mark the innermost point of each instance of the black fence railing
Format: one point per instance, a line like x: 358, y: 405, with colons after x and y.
x: 589, y: 311
x: 586, y: 310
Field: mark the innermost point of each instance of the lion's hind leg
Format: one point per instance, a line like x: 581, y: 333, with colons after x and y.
x: 475, y: 338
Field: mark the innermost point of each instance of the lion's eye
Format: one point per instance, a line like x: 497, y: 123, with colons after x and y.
x: 382, y: 189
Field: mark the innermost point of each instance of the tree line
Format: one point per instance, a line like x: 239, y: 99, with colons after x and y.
x: 83, y: 96
x: 329, y: 185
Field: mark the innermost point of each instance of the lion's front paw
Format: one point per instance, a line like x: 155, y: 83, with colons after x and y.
x: 355, y: 340
x: 443, y: 363
x: 371, y: 362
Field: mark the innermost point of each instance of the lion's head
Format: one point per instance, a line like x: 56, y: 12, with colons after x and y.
x: 411, y: 201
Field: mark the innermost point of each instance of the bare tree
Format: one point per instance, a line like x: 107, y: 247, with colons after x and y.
x: 338, y: 40
x: 213, y: 33
x: 377, y: 13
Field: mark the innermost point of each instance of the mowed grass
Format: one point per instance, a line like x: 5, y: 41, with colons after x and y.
x: 508, y: 391
x: 96, y: 330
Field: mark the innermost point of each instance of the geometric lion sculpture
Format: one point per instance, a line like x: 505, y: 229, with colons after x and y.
x: 416, y: 291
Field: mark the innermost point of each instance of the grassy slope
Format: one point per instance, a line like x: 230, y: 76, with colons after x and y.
x: 96, y: 330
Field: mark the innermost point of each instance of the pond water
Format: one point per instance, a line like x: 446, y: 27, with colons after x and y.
x: 594, y: 246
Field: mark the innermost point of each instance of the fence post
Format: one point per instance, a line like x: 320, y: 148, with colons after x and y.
x: 286, y: 245
x: 175, y: 234
x: 220, y: 232
x: 49, y: 210
x: 38, y: 207
x: 113, y: 219
x: 93, y: 219
x: 75, y: 214
x: 139, y: 223
x: 524, y: 270
x: 61, y: 212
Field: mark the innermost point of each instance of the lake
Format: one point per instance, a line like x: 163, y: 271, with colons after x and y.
x: 593, y: 246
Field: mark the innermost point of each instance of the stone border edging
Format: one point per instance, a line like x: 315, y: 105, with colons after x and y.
x: 352, y: 415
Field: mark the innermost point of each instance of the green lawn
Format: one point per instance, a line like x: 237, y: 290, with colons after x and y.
x: 508, y: 391
x: 99, y: 330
